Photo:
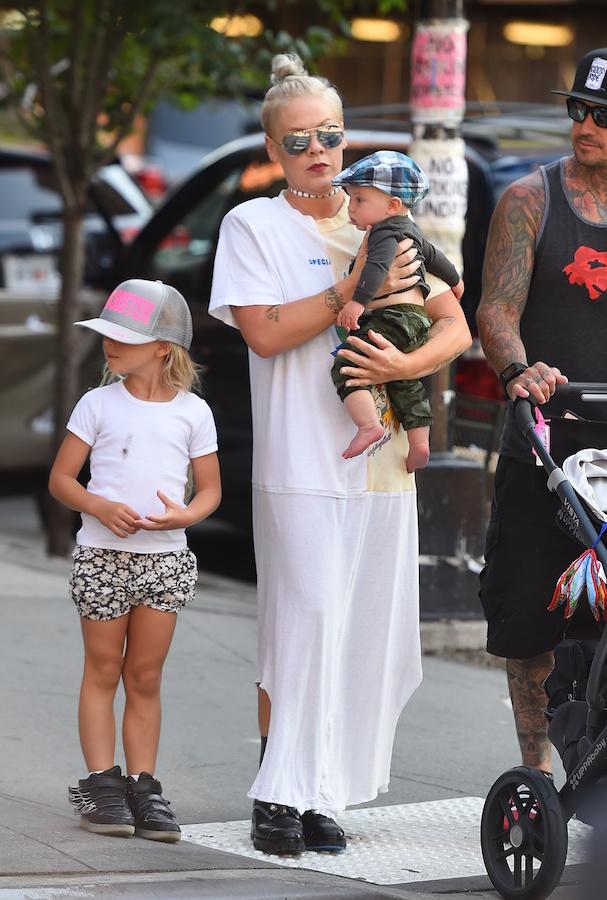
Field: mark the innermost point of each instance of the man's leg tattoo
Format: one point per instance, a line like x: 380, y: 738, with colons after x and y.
x: 525, y: 677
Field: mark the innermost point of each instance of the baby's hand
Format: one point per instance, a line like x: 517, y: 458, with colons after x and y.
x: 349, y: 315
x: 458, y: 290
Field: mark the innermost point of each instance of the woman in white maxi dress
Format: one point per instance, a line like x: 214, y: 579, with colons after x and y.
x: 336, y: 540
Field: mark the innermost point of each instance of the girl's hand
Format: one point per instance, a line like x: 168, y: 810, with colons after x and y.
x: 174, y: 516
x: 373, y: 365
x: 401, y: 274
x: 118, y: 517
x: 348, y: 316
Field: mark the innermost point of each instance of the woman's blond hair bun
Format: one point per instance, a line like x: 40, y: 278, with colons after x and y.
x: 286, y: 64
x: 289, y: 80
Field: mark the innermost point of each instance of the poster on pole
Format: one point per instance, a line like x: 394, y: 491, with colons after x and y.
x: 438, y: 72
x: 445, y: 165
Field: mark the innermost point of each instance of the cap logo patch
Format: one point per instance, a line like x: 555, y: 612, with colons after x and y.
x: 596, y: 74
x: 131, y: 305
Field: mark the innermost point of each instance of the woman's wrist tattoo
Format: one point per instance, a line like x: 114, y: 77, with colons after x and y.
x: 334, y: 299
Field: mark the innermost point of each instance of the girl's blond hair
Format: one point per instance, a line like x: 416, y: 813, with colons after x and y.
x: 178, y: 370
x: 290, y: 79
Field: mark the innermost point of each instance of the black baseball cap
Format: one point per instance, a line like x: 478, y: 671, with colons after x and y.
x: 590, y: 82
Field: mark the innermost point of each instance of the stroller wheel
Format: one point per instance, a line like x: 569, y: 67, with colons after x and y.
x: 523, y: 835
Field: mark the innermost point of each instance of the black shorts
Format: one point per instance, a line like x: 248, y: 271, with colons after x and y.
x: 526, y: 552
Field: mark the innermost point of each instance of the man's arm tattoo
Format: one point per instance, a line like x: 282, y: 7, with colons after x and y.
x: 334, y: 299
x: 272, y: 314
x: 507, y: 269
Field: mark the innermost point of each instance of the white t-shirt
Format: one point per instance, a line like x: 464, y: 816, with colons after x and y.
x: 137, y: 448
x: 270, y: 253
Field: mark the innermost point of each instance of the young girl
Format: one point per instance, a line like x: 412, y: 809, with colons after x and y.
x: 132, y: 570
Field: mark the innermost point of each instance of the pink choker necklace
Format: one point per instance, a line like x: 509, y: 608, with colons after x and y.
x: 308, y: 196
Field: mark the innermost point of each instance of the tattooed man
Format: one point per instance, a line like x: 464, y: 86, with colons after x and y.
x: 542, y: 319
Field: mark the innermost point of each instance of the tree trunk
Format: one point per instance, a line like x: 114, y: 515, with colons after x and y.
x: 60, y: 536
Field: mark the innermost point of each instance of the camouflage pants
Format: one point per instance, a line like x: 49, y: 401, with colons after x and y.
x: 405, y: 325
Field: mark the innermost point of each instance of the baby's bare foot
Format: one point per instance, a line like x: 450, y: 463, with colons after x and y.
x: 417, y: 457
x: 363, y: 438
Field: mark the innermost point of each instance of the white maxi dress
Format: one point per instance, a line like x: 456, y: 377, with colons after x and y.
x: 336, y: 540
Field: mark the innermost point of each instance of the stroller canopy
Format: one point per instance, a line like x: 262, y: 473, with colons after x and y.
x: 587, y: 472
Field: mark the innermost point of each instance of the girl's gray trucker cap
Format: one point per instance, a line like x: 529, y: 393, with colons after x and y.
x: 139, y: 312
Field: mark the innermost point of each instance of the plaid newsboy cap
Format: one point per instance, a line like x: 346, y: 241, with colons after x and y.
x: 390, y: 172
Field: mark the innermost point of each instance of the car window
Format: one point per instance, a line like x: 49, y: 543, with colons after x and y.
x: 113, y: 200
x: 192, y: 240
x: 31, y: 194
x: 179, y: 256
x: 25, y: 196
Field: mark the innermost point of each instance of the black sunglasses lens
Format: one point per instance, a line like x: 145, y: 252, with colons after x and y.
x: 576, y: 110
x: 599, y: 114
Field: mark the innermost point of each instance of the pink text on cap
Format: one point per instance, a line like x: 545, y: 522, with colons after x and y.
x: 134, y: 307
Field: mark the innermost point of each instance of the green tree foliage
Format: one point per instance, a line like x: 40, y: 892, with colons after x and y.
x: 79, y: 71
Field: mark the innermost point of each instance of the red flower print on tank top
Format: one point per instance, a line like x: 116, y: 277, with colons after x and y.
x: 589, y: 268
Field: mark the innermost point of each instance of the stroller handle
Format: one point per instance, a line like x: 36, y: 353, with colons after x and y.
x: 557, y: 482
x: 586, y: 391
x: 523, y: 413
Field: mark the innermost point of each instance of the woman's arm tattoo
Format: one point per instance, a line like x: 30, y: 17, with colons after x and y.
x: 334, y: 299
x: 440, y: 325
x: 507, y: 269
x: 272, y: 314
x: 435, y: 329
x: 443, y: 363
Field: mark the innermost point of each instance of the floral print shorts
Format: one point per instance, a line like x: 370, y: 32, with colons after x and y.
x: 106, y: 584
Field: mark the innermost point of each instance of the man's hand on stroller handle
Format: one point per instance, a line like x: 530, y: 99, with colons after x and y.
x: 538, y: 380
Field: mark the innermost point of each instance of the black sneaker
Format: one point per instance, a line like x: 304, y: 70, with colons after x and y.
x: 101, y: 801
x: 322, y: 833
x: 154, y: 819
x: 276, y: 829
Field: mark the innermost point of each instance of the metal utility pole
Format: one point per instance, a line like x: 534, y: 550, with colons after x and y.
x: 450, y: 490
x: 437, y: 102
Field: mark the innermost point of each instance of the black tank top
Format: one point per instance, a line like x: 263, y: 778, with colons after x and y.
x: 564, y: 322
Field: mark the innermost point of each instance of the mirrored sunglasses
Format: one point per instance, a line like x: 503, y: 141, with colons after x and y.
x: 578, y: 110
x: 295, y: 142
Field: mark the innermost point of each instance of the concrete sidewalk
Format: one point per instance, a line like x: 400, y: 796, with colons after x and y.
x: 209, y: 748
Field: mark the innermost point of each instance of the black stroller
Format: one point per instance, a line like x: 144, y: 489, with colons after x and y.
x: 524, y: 822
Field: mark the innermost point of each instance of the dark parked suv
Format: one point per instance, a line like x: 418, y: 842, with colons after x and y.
x: 30, y: 247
